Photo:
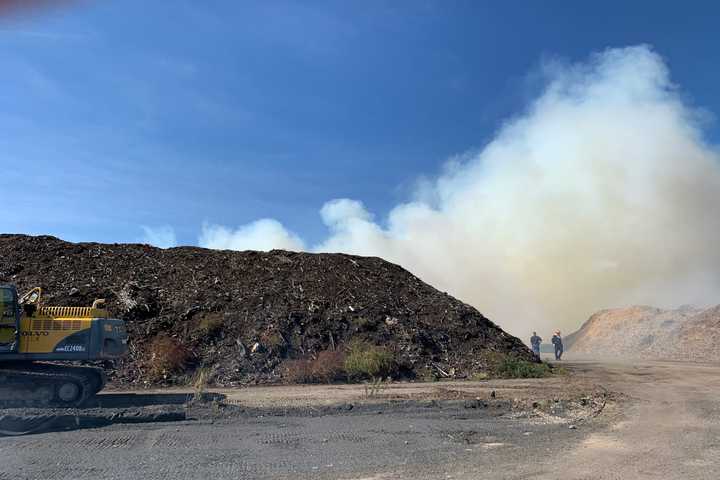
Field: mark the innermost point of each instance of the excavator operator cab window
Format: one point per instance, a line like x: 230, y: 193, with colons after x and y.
x: 8, y: 319
x: 29, y: 309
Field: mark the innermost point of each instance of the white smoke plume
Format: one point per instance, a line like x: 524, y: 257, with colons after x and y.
x: 602, y: 194
x: 162, y: 236
x: 263, y: 234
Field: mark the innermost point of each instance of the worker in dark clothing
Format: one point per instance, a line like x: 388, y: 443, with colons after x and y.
x: 535, y: 342
x: 557, y: 341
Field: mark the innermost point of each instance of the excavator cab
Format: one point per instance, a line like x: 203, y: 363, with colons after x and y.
x: 9, y: 319
x: 30, y: 301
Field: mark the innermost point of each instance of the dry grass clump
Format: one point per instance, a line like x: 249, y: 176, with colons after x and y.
x: 166, y: 356
x: 200, y: 381
x: 328, y: 366
x: 298, y: 371
x: 375, y: 387
x: 325, y: 367
x: 359, y: 361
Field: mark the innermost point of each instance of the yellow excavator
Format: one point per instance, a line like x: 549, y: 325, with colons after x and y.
x: 32, y: 335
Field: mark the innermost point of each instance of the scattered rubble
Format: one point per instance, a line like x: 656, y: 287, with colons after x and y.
x: 239, y: 315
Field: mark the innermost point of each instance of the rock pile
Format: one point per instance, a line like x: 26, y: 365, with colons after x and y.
x: 239, y: 315
x: 686, y: 333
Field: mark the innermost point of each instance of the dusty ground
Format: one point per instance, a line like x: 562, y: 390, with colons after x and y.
x: 664, y: 422
x: 563, y: 387
x: 669, y: 429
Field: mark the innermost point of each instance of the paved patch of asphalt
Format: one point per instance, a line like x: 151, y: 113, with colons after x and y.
x: 404, y: 440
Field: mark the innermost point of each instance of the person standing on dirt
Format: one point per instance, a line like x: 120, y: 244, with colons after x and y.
x: 557, y: 341
x: 535, y: 342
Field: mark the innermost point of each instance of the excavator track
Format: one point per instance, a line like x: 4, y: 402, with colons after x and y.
x: 31, y: 385
x: 47, y: 385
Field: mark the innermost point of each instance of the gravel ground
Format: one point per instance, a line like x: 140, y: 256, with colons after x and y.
x: 424, y: 440
x: 663, y: 423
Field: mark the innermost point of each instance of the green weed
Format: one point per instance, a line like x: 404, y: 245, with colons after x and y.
x: 365, y: 360
x: 511, y: 367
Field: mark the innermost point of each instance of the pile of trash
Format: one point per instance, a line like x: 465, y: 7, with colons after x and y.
x: 237, y: 316
x: 643, y: 332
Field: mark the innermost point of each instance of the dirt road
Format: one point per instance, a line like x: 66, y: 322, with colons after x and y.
x: 667, y: 427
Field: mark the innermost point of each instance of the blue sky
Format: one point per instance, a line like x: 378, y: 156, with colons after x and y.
x: 119, y: 114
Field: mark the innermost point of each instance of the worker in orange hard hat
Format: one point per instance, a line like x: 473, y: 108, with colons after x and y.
x: 557, y: 342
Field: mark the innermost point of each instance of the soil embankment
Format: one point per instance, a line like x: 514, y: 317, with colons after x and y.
x: 239, y: 315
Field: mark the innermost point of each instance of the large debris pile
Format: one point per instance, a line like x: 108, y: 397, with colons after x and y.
x: 240, y: 314
x: 686, y: 333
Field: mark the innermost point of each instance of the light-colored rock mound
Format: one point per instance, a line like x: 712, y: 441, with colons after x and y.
x: 699, y: 338
x: 686, y: 333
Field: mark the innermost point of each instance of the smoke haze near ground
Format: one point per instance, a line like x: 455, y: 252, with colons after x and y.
x: 603, y: 193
